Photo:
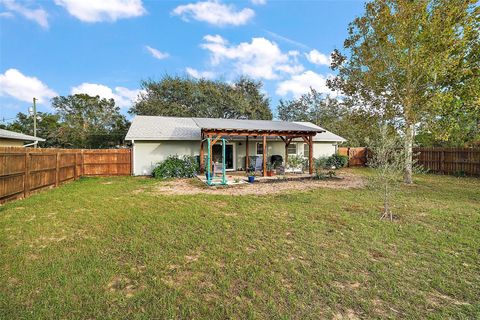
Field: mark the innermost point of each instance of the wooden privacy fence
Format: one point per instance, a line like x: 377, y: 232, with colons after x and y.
x: 465, y: 161
x: 25, y: 170
x: 357, y: 157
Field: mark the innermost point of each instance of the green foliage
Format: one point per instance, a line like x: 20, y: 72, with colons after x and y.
x: 337, y: 116
x: 186, y: 97
x: 326, y: 166
x: 411, y: 61
x: 297, y: 162
x: 387, y: 158
x: 89, y: 122
x: 48, y: 126
x: 337, y: 161
x: 79, y: 121
x: 251, y: 171
x: 175, y: 167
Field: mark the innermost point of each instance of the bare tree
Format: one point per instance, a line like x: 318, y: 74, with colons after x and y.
x: 387, y: 158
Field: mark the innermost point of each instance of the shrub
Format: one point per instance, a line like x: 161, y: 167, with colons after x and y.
x: 337, y: 161
x: 323, y: 168
x: 175, y: 167
x: 297, y: 162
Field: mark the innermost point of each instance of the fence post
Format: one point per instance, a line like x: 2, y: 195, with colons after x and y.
x: 442, y: 161
x: 26, y: 182
x: 75, y: 167
x: 83, y: 163
x: 348, y: 157
x: 57, y: 168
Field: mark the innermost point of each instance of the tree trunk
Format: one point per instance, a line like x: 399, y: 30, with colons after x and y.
x: 409, y: 134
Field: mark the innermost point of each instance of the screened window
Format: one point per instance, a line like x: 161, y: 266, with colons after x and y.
x: 259, y: 148
x: 292, y: 148
x: 306, y: 150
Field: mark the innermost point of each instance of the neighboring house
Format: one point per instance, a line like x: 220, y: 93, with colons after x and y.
x: 14, y: 139
x: 155, y: 138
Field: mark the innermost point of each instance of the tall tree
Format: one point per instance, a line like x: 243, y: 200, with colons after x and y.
x: 89, y: 122
x: 176, y: 96
x: 48, y: 126
x: 400, y: 57
x: 338, y: 116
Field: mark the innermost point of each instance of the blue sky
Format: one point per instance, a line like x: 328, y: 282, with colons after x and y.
x: 59, y: 47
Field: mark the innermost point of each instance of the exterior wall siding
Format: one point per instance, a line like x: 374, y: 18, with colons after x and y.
x: 148, y: 153
x: 11, y: 143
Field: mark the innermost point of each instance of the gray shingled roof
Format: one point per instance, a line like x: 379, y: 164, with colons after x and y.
x: 176, y: 128
x: 7, y: 134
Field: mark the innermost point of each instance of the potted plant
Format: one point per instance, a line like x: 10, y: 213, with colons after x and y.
x: 251, y: 174
x: 270, y: 171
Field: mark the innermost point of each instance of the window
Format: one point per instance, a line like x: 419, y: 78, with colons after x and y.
x: 259, y: 148
x: 292, y: 148
x: 306, y: 150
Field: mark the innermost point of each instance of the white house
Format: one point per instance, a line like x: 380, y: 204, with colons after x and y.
x: 155, y: 138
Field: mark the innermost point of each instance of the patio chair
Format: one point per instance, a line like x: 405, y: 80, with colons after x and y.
x: 258, y: 164
x: 217, y: 168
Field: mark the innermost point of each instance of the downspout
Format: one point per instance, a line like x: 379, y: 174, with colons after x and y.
x: 31, y: 144
x: 133, y: 157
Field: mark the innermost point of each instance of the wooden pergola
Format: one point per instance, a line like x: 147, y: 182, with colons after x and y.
x: 287, y: 137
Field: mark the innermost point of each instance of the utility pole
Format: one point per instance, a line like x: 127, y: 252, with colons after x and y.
x: 33, y: 113
x: 35, y: 117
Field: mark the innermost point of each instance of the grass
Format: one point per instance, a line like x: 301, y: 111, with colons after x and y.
x: 112, y: 248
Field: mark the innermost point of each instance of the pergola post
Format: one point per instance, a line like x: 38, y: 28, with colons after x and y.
x: 264, y: 156
x: 247, y: 160
x: 211, y: 154
x: 202, y: 157
x: 287, y: 143
x: 310, y: 154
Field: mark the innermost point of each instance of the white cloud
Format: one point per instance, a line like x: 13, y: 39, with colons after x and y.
x: 38, y: 15
x: 6, y: 14
x: 215, y: 39
x: 200, y: 74
x: 258, y: 2
x: 215, y: 13
x: 260, y: 58
x: 316, y: 57
x: 19, y: 86
x: 103, y: 10
x: 123, y: 97
x: 157, y: 54
x: 301, y: 83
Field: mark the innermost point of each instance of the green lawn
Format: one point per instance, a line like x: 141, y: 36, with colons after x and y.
x: 112, y: 248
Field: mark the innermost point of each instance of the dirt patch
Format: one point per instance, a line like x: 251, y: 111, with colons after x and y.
x: 348, y: 314
x: 437, y: 299
x: 124, y: 286
x: 191, y: 186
